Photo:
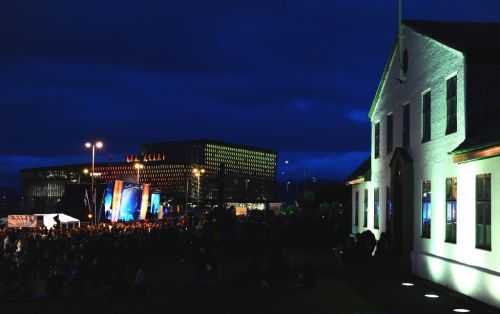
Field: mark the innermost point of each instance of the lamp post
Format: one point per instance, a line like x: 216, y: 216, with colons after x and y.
x: 198, y: 173
x: 138, y: 167
x: 246, y: 189
x: 93, y: 147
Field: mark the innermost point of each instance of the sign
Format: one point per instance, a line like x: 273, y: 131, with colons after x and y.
x: 21, y: 221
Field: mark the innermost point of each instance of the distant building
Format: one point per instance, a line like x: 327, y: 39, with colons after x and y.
x: 435, y: 156
x: 228, y: 173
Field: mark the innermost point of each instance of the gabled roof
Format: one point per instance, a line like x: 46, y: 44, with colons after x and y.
x: 381, y: 84
x: 477, y: 41
x: 362, y: 173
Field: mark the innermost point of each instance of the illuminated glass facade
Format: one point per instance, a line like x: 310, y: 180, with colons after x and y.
x: 232, y: 173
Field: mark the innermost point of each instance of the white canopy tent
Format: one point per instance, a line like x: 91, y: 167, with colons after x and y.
x: 49, y: 222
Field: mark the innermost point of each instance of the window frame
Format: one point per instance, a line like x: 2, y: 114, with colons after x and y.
x: 426, y: 211
x: 390, y: 132
x: 481, y: 201
x: 451, y: 115
x: 376, y: 140
x: 451, y: 210
x: 426, y: 116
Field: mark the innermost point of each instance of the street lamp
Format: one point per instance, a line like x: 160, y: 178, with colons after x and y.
x: 246, y: 189
x: 93, y: 147
x: 138, y: 167
x: 198, y: 173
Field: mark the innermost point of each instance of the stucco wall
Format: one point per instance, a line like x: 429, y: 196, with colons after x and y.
x: 430, y: 65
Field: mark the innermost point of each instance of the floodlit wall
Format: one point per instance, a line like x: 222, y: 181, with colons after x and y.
x: 460, y: 266
x: 359, y: 228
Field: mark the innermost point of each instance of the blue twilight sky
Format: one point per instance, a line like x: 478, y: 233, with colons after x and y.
x: 294, y: 76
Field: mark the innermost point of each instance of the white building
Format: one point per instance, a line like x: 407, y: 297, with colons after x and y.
x: 435, y: 157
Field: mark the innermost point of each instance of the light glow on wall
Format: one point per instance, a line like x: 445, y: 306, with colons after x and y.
x: 144, y: 201
x: 117, y: 198
x: 476, y: 155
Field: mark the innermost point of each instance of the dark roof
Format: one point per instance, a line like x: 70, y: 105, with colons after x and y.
x: 157, y: 147
x: 482, y: 107
x: 72, y: 166
x: 480, y: 45
x: 478, y: 41
x: 363, y: 171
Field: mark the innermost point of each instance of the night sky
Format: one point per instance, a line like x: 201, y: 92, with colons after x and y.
x: 294, y: 76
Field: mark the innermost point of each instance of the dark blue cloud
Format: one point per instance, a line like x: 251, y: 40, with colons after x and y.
x: 294, y: 76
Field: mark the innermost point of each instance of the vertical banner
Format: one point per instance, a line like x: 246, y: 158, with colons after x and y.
x: 117, y: 198
x: 145, y: 201
x: 108, y: 201
x: 160, y: 213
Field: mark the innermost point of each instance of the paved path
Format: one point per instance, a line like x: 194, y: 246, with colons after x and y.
x: 335, y: 292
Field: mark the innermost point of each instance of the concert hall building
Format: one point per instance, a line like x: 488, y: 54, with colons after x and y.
x: 228, y: 173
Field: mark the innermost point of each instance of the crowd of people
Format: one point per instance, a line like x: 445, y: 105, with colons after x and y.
x: 85, y: 260
x: 109, y: 259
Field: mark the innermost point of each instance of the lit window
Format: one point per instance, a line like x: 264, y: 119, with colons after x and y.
x: 451, y: 210
x: 426, y: 209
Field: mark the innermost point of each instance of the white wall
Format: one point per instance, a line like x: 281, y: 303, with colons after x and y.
x: 460, y: 266
x: 361, y: 211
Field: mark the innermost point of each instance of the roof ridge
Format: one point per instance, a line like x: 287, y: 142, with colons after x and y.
x: 450, y: 22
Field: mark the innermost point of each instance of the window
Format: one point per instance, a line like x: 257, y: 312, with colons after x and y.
x: 451, y: 105
x: 406, y: 126
x: 388, y: 204
x: 356, y: 208
x: 426, y: 117
x: 405, y: 62
x: 451, y: 210
x: 426, y: 209
x: 376, y: 208
x: 389, y: 133
x: 377, y: 140
x: 365, y: 218
x: 483, y: 211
